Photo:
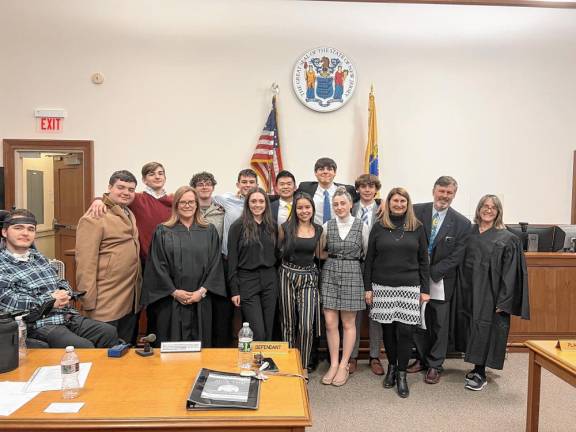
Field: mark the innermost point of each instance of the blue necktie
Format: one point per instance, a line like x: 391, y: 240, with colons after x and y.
x: 326, y: 214
x: 364, y: 215
x: 433, y: 231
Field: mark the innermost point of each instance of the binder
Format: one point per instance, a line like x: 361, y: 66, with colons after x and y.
x: 215, y: 390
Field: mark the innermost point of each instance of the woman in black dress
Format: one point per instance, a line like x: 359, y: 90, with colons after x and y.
x: 183, y: 272
x: 251, y: 264
x: 396, y: 279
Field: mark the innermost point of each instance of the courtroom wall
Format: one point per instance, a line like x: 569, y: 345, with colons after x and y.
x: 486, y: 94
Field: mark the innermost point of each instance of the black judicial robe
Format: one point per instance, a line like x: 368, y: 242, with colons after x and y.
x: 493, y: 275
x: 187, y: 259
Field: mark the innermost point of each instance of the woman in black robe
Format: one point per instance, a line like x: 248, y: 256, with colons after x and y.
x: 183, y: 272
x: 492, y: 285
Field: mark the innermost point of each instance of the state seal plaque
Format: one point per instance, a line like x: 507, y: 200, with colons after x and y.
x: 324, y: 79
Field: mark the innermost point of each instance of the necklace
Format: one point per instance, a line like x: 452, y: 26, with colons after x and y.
x: 394, y: 232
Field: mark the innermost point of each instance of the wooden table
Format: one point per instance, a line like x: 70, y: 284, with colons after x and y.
x: 544, y: 354
x: 149, y: 394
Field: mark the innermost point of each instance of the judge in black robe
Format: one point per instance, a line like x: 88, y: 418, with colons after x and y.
x: 492, y: 285
x: 183, y: 258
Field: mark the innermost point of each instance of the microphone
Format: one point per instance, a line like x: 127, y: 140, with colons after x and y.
x: 147, y: 351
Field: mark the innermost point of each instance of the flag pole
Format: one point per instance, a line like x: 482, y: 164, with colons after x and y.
x: 276, y: 91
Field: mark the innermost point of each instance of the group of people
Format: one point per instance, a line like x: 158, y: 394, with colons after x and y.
x: 317, y: 256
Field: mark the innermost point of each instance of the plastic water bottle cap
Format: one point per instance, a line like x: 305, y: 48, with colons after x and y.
x: 69, y: 348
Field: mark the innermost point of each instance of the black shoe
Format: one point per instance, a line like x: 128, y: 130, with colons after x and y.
x: 476, y: 383
x: 402, y: 385
x: 390, y: 378
x: 312, y: 364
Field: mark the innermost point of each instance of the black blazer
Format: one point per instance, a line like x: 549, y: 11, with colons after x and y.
x: 275, y: 208
x: 311, y: 187
x: 449, y: 244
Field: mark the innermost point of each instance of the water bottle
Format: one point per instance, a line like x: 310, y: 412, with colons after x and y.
x: 245, y: 337
x: 21, y: 339
x: 70, y: 369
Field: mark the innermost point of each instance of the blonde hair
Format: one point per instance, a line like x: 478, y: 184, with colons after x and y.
x: 411, y: 223
x: 499, y: 221
x: 175, y: 217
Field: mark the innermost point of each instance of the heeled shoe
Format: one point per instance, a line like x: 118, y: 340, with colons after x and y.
x: 390, y: 378
x: 328, y: 378
x: 340, y: 382
x: 402, y: 385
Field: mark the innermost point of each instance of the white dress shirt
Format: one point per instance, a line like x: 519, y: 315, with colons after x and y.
x: 319, y: 202
x: 283, y: 212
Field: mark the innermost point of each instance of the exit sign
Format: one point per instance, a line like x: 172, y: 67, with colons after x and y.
x: 50, y: 124
x: 50, y: 119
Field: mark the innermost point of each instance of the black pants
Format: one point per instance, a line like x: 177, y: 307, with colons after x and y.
x: 258, y: 296
x: 432, y: 343
x: 222, y: 315
x: 398, y: 343
x: 78, y: 331
x: 127, y: 327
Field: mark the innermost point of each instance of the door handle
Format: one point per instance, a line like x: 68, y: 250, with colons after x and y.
x: 56, y: 225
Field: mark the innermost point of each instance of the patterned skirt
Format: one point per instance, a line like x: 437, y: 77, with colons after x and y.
x: 342, y: 286
x: 391, y: 304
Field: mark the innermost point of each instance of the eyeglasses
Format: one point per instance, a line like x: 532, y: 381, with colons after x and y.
x: 204, y: 184
x: 186, y: 203
x: 486, y: 208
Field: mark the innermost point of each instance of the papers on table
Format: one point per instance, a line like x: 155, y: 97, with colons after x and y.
x: 220, y: 387
x: 13, y: 396
x: 49, y: 378
x: 64, y: 407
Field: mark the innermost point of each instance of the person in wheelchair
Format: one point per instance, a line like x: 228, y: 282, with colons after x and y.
x: 29, y: 283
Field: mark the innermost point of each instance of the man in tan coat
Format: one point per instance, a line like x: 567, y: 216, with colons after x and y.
x: 107, y: 259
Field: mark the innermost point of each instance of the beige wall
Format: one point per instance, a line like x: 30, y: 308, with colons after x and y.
x: 485, y: 94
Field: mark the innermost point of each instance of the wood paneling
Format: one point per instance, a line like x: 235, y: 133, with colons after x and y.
x: 552, y: 284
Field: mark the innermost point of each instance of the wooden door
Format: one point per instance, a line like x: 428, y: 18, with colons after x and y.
x: 68, y: 207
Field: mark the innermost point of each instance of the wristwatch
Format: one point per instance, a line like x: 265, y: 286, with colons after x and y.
x: 204, y: 293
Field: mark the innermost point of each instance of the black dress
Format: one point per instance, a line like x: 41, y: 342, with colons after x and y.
x: 186, y: 259
x: 492, y: 276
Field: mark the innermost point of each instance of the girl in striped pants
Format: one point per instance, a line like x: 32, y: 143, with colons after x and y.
x: 299, y: 298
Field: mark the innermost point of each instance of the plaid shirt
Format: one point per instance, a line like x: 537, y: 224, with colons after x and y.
x: 26, y: 285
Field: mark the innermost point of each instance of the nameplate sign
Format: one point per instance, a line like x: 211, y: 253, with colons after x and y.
x: 567, y: 345
x: 270, y: 347
x: 176, y: 347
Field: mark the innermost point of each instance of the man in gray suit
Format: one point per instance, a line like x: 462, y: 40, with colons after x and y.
x: 367, y: 186
x: 447, y: 232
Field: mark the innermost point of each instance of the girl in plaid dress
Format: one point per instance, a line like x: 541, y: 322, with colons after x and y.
x: 344, y: 240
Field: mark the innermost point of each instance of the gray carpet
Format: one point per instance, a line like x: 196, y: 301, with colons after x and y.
x: 364, y: 405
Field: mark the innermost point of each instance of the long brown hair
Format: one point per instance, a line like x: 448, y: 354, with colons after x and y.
x: 499, y: 221
x: 198, y: 218
x: 249, y: 224
x: 411, y: 223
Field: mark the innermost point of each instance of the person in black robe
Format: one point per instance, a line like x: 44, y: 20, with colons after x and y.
x: 492, y: 285
x: 183, y: 272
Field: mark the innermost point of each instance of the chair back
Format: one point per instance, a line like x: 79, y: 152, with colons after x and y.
x: 59, y: 267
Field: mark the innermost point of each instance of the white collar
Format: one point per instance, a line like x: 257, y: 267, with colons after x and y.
x: 155, y: 194
x: 25, y: 257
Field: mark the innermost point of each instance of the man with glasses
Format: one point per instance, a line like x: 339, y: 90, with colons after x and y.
x: 213, y: 212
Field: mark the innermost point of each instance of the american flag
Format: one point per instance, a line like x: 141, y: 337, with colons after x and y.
x: 267, y: 158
